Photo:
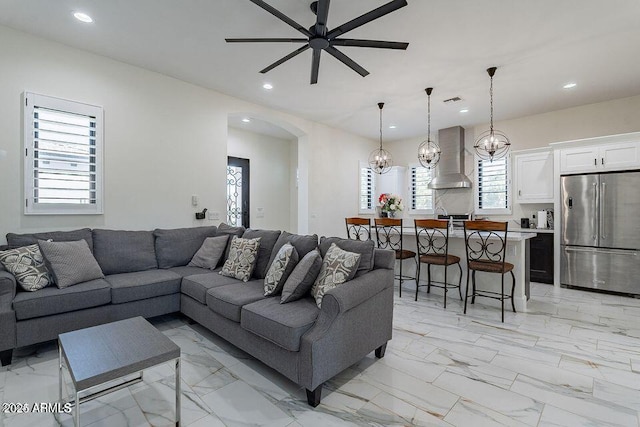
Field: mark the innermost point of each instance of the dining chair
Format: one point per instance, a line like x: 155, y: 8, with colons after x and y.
x: 389, y: 236
x: 358, y: 228
x: 486, y: 246
x: 432, y: 242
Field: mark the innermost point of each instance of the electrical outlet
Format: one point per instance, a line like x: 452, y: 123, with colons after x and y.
x: 259, y: 212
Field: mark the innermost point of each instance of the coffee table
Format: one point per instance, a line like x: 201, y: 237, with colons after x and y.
x: 109, y: 353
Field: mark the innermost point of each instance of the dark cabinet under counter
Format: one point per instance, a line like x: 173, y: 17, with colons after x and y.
x: 541, y: 258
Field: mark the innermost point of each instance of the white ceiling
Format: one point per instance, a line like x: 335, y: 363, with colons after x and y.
x: 538, y: 45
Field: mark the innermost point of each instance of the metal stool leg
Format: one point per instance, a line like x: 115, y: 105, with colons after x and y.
x: 502, y: 296
x: 445, y: 287
x: 473, y: 282
x: 460, y: 282
x: 417, y: 279
x: 400, y: 280
x: 466, y: 293
x: 513, y: 288
x: 428, y: 278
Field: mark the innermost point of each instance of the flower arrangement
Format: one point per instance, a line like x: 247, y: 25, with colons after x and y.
x: 390, y: 203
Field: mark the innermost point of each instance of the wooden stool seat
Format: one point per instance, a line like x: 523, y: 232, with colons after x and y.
x: 490, y: 266
x: 405, y: 254
x: 439, y: 259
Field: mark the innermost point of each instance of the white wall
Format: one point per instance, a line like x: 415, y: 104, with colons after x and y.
x: 269, y: 176
x: 165, y: 140
x: 604, y: 118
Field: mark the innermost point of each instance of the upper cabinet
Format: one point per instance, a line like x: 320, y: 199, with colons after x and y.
x: 600, y: 158
x: 534, y: 177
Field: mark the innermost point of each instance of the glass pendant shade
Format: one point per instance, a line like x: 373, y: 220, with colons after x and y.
x: 429, y: 151
x: 492, y: 144
x: 380, y: 160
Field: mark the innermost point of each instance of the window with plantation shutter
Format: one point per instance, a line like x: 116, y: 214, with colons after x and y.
x: 366, y: 189
x: 493, y: 182
x: 63, y: 156
x: 421, y: 194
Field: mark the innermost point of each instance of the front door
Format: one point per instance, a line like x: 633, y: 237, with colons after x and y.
x: 238, y: 192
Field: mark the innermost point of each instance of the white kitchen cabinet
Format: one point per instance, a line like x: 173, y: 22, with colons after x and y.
x: 600, y: 158
x: 534, y: 177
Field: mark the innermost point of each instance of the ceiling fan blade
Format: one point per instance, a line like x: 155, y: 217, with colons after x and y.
x: 285, y: 59
x: 275, y: 12
x: 369, y: 43
x: 346, y: 61
x: 366, y: 18
x: 315, y: 66
x: 279, y: 40
x: 322, y: 14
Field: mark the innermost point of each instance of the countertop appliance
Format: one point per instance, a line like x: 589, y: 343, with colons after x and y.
x: 458, y: 219
x: 600, y: 237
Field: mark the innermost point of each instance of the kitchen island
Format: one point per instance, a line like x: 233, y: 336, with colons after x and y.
x: 517, y: 253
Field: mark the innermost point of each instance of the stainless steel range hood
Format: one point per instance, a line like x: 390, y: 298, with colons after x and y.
x: 450, y: 168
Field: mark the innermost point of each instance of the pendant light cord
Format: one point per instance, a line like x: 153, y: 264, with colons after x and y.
x: 380, y: 128
x: 429, y: 118
x: 491, y: 103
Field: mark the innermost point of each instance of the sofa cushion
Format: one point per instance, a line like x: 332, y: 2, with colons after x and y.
x: 197, y: 285
x: 283, y: 325
x: 228, y: 300
x: 70, y: 263
x: 27, y: 265
x: 338, y: 267
x: 52, y: 300
x: 177, y: 246
x: 209, y: 254
x: 185, y: 270
x: 17, y: 240
x: 243, y: 256
x: 303, y: 244
x: 363, y: 247
x: 280, y: 269
x: 140, y: 285
x: 302, y: 277
x: 119, y: 251
x: 268, y: 239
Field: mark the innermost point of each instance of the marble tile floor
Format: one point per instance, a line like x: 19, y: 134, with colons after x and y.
x: 572, y: 360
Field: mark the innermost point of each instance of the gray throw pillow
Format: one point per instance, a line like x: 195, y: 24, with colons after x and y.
x: 363, y: 247
x: 243, y: 255
x: 302, y: 277
x: 338, y: 267
x: 70, y: 262
x: 281, y: 267
x: 27, y: 265
x: 209, y: 253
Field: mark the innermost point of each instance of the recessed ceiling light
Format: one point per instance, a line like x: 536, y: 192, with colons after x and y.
x: 570, y: 85
x: 83, y: 17
x: 393, y: 127
x: 464, y: 110
x: 246, y: 120
x: 267, y: 86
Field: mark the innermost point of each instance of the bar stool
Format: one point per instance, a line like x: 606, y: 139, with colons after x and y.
x: 389, y: 236
x: 358, y: 228
x: 432, y: 241
x: 486, y: 251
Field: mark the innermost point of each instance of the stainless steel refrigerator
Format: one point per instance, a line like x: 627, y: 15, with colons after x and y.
x: 600, y: 231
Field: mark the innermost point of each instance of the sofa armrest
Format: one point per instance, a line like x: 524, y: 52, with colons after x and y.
x: 355, y: 319
x: 355, y: 292
x: 7, y: 290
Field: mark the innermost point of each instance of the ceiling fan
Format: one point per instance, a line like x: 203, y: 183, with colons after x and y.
x: 320, y: 38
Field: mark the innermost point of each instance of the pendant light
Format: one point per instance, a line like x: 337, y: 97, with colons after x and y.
x: 429, y: 151
x: 492, y: 144
x: 380, y: 160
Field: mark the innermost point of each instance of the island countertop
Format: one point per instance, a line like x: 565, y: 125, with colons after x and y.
x: 515, y: 236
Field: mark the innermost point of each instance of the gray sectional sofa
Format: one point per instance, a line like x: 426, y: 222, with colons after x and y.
x: 146, y: 274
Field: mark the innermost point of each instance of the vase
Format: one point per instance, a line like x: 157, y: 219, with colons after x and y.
x: 391, y: 214
x: 383, y: 214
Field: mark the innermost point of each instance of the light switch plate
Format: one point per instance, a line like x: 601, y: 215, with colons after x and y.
x: 214, y: 216
x: 194, y: 200
x: 259, y: 212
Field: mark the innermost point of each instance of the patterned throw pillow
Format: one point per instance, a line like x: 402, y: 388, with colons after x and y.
x: 27, y: 265
x: 243, y: 255
x: 281, y: 267
x: 338, y: 266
